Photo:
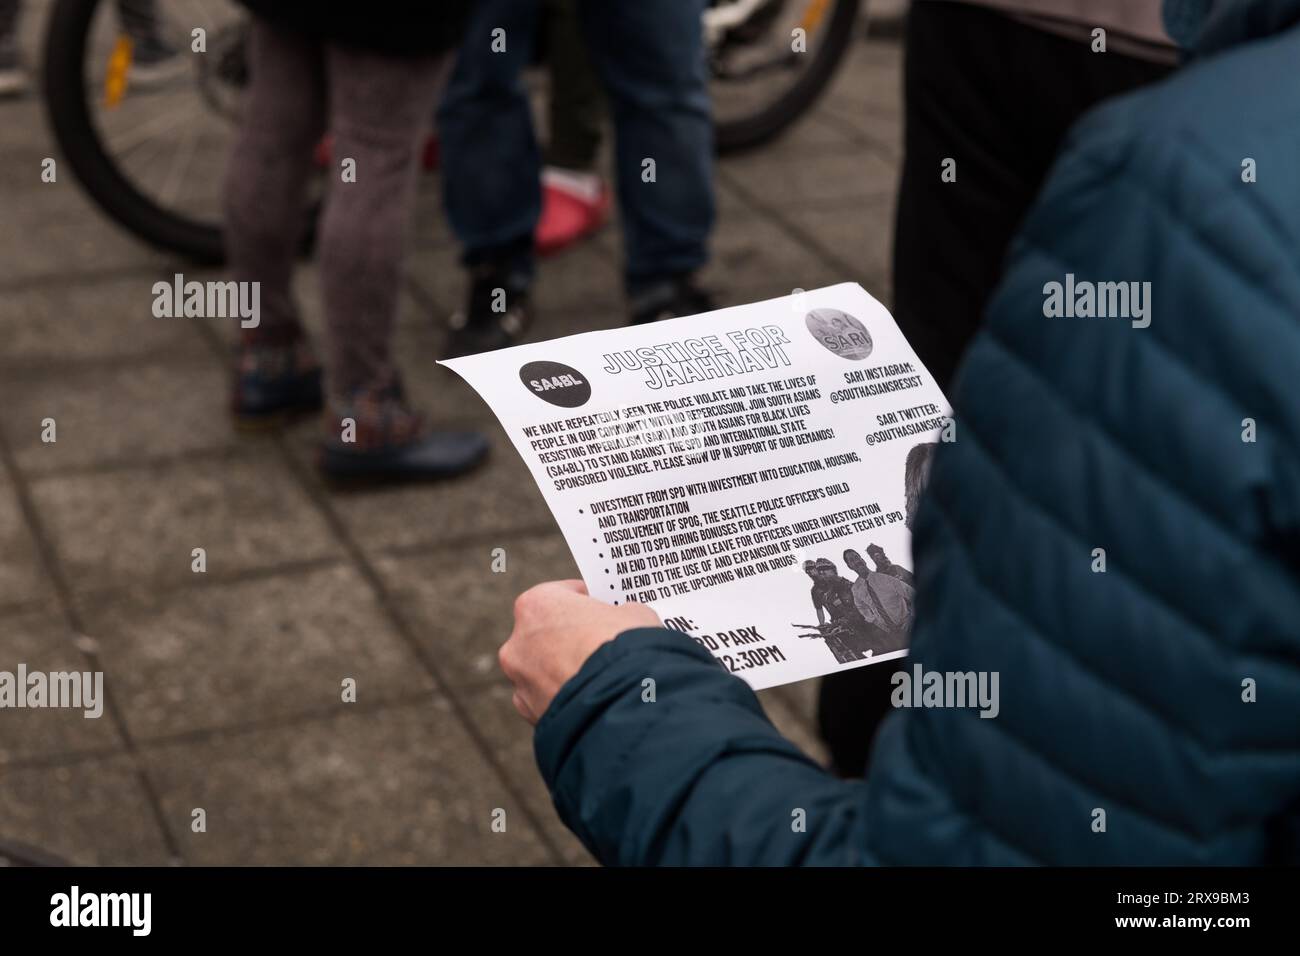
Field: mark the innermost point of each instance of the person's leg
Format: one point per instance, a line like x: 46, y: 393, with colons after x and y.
x: 575, y: 199
x: 577, y: 106
x: 264, y: 197
x: 651, y: 57
x: 491, y: 173
x: 997, y: 96
x: 490, y: 158
x: 378, y: 108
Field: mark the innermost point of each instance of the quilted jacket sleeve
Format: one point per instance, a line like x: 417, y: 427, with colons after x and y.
x: 1099, y: 535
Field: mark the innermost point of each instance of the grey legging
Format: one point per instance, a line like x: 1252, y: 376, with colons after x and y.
x: 375, y: 107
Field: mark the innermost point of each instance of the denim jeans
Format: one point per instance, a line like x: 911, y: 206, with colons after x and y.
x: 651, y: 59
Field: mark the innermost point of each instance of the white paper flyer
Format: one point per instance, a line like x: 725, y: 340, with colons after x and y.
x: 750, y: 473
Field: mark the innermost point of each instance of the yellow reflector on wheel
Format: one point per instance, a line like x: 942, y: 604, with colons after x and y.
x: 119, y: 66
x: 813, y: 15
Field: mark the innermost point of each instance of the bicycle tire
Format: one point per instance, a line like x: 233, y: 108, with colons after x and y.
x: 78, y: 138
x: 765, y: 125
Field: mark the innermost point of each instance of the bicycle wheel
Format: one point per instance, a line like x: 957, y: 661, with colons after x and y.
x: 143, y: 97
x: 761, y: 83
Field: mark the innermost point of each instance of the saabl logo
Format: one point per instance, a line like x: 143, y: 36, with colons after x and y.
x: 556, y: 383
x: 840, y: 333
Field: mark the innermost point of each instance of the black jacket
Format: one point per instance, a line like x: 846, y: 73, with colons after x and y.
x: 397, y: 27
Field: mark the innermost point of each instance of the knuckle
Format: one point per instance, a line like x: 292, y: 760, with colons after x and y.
x: 524, y: 602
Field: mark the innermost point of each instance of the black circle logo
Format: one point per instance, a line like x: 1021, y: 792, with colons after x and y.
x: 840, y: 333
x: 556, y: 383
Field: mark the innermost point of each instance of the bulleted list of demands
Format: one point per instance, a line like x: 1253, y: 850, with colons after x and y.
x: 750, y: 473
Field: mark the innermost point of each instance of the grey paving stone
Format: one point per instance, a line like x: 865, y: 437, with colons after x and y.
x: 400, y: 786
x: 42, y: 641
x: 107, y: 319
x: 760, y: 260
x: 439, y: 290
x: 31, y: 203
x: 871, y: 76
x: 136, y: 528
x: 862, y: 235
x: 813, y: 131
x: 826, y: 177
x: 22, y: 577
x: 511, y: 739
x: 92, y: 813
x: 254, y: 651
x: 462, y: 610
x: 116, y: 415
x: 878, y: 132
x: 53, y: 250
x: 558, y: 324
x: 429, y: 227
x: 27, y: 132
x: 583, y: 277
x: 500, y: 496
x: 438, y: 392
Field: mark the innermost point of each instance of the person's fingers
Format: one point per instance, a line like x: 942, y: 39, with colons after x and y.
x: 522, y: 707
x: 539, y: 598
x: 506, y: 658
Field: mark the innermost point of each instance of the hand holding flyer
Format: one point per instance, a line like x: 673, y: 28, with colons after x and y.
x: 750, y: 473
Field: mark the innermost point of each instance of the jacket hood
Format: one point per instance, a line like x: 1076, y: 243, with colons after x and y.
x: 1201, y: 27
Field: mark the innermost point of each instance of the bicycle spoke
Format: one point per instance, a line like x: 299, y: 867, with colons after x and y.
x: 184, y: 156
x: 209, y: 19
x: 139, y: 167
x: 122, y: 143
x: 203, y: 18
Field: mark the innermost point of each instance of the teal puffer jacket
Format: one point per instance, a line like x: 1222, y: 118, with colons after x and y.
x: 1121, y: 691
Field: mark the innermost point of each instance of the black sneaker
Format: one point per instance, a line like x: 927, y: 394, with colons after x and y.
x: 497, y: 314
x: 274, y: 382
x: 670, y: 299
x: 377, y: 438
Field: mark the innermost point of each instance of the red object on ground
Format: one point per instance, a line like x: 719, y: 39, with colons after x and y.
x: 567, y: 218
